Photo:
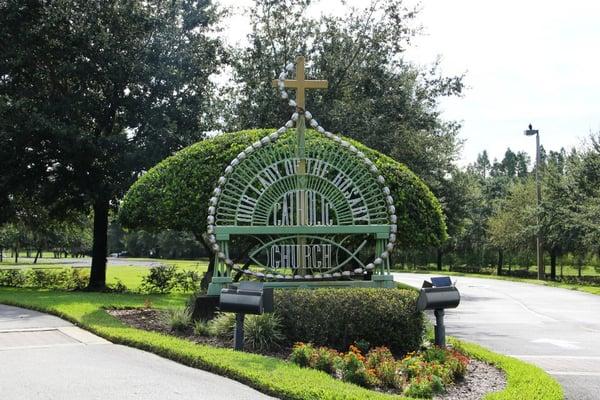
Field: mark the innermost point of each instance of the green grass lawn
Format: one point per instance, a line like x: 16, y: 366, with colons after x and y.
x: 571, y: 286
x: 130, y: 275
x: 267, y: 374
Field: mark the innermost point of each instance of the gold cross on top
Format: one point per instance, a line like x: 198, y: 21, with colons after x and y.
x: 300, y: 83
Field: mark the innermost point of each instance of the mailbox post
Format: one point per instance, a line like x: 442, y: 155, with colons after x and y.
x: 247, y: 298
x: 438, y: 295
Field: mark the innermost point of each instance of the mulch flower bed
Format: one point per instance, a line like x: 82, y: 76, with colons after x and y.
x: 479, y: 378
x: 151, y: 319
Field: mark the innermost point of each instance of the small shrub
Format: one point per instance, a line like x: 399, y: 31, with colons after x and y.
x: 355, y: 371
x: 389, y: 375
x: 201, y: 328
x: 325, y: 359
x: 381, y: 360
x: 339, y: 317
x: 148, y: 302
x: 457, y: 364
x: 411, y: 365
x: 435, y: 354
x: 12, y: 277
x: 424, y: 388
x: 179, y: 319
x: 379, y: 355
x: 186, y: 281
x: 302, y: 353
x: 222, y: 325
x: 48, y: 278
x: 118, y: 287
x: 79, y: 279
x: 363, y: 345
x: 263, y: 332
x: 161, y: 279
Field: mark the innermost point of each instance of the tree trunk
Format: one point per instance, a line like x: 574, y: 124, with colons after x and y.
x: 99, y: 248
x: 37, y: 255
x: 16, y: 254
x: 1, y: 254
x: 211, y: 261
x: 500, y: 262
x: 553, y: 254
x: 561, y: 268
x: 440, y: 253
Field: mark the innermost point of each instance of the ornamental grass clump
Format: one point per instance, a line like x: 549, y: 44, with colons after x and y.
x: 263, y: 332
x: 201, y: 328
x: 222, y: 325
x: 179, y: 319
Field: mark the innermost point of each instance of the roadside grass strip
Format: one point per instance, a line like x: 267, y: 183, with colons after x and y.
x: 266, y: 374
x: 524, y: 381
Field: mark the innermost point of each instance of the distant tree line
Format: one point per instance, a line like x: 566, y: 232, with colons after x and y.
x: 497, y: 218
x: 163, y: 244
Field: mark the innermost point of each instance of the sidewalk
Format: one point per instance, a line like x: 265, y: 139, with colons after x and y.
x: 45, y: 357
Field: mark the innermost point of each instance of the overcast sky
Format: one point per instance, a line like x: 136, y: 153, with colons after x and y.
x: 525, y: 61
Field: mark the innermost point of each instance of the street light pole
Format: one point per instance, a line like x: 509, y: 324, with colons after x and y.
x: 541, y: 273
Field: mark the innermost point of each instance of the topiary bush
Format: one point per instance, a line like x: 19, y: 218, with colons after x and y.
x: 339, y: 317
x: 174, y: 194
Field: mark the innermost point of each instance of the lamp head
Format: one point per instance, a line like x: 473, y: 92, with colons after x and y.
x: 531, y: 131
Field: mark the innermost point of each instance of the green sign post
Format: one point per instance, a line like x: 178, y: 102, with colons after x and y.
x: 311, y: 215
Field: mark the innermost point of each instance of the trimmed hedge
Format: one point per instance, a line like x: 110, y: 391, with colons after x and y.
x: 339, y: 317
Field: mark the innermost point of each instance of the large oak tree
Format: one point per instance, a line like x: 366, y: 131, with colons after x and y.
x: 93, y: 92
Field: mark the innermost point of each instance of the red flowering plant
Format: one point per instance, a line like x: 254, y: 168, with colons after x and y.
x: 422, y: 374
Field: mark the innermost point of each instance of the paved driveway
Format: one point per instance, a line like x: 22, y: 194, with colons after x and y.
x: 557, y: 329
x: 87, y: 261
x: 45, y: 357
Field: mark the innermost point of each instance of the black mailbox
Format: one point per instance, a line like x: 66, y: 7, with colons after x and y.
x: 237, y: 301
x: 434, y: 298
x: 247, y: 298
x: 438, y: 295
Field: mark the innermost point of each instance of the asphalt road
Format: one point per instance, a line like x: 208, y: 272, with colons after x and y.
x: 44, y: 357
x: 556, y: 329
x: 87, y: 261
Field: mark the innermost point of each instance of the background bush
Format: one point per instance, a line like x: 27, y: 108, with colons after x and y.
x: 166, y: 278
x: 339, y: 317
x: 51, y: 278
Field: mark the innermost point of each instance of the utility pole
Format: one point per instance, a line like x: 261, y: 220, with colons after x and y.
x: 541, y: 273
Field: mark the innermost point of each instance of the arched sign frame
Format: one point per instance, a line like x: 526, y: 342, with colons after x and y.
x: 299, y: 192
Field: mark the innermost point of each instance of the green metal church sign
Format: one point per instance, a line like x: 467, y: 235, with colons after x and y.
x: 310, y: 214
